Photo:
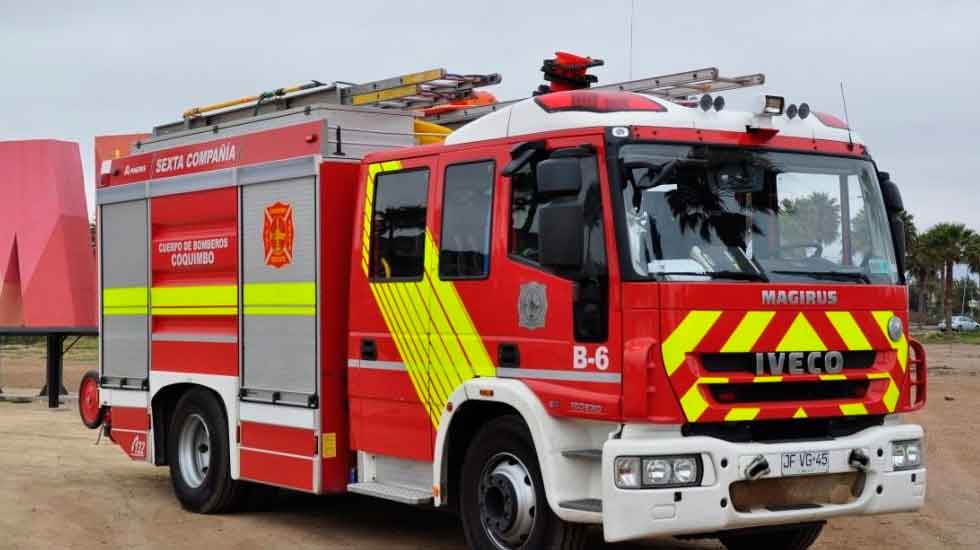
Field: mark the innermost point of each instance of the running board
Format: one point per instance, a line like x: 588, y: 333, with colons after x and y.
x: 583, y: 505
x: 588, y: 454
x: 404, y: 495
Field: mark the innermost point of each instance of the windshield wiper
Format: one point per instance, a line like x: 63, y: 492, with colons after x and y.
x: 735, y: 275
x: 828, y: 275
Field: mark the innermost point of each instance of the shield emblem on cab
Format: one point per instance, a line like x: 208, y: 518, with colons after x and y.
x: 532, y: 305
x: 277, y: 235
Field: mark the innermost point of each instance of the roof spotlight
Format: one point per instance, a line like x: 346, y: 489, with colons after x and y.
x: 804, y: 110
x: 719, y: 103
x: 705, y: 102
x: 773, y: 105
x: 791, y: 110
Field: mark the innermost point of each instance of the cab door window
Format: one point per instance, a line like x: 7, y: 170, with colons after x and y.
x: 466, y: 219
x: 398, y: 225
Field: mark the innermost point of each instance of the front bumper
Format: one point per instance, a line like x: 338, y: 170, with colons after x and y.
x: 708, y: 508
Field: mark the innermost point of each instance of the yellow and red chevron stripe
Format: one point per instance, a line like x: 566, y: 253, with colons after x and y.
x: 431, y: 328
x: 696, y: 332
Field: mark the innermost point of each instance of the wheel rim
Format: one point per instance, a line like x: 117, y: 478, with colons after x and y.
x: 194, y: 450
x: 507, y: 501
x: 88, y: 397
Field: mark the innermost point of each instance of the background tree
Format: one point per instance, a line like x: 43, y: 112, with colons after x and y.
x: 950, y: 244
x: 813, y: 218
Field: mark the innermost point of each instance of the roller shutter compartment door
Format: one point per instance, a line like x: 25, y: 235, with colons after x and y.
x: 124, y: 293
x: 279, y: 294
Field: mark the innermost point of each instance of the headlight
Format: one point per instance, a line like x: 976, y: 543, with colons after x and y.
x: 627, y: 472
x: 906, y: 455
x: 657, y: 471
x: 685, y: 470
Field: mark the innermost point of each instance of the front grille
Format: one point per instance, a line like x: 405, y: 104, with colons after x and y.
x: 745, y: 362
x: 795, y: 391
x: 794, y: 493
x: 768, y: 431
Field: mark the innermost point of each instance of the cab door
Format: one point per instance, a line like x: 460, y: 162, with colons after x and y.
x: 458, y: 268
x: 557, y: 331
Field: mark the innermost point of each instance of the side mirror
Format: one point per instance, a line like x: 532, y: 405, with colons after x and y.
x: 561, y: 234
x: 898, y: 235
x: 890, y: 193
x: 559, y: 177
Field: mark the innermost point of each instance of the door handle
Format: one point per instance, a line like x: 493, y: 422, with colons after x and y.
x: 369, y: 350
x: 508, y: 356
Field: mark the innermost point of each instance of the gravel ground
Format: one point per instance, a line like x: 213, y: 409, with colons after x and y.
x: 59, y: 489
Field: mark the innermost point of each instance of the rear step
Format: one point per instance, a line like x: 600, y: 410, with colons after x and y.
x: 583, y: 505
x: 588, y: 454
x: 405, y: 495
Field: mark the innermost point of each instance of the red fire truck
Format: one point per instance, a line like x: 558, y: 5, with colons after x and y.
x: 614, y: 305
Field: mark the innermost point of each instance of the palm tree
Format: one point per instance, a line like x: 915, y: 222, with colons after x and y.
x: 950, y: 243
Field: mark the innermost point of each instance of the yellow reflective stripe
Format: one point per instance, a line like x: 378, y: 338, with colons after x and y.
x: 878, y: 375
x: 693, y: 402
x: 748, y: 331
x: 455, y: 312
x: 411, y: 351
x: 124, y: 297
x: 308, y: 311
x: 890, y: 399
x: 832, y: 377
x: 686, y: 337
x: 800, y: 413
x: 801, y: 337
x: 138, y: 310
x: 195, y: 310
x: 902, y: 346
x: 849, y: 331
x: 301, y: 293
x: 737, y: 414
x: 767, y: 379
x: 853, y: 409
x: 193, y: 296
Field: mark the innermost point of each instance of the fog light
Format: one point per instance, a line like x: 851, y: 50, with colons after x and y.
x: 906, y: 455
x: 627, y: 471
x: 895, y: 329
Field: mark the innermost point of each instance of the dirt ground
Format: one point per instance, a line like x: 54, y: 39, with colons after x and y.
x: 60, y: 490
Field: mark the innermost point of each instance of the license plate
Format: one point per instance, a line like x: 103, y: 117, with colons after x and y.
x: 805, y: 463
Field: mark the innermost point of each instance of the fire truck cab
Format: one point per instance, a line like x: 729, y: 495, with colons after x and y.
x: 593, y: 306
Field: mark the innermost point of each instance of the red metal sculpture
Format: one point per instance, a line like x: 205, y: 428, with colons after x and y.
x: 47, y: 262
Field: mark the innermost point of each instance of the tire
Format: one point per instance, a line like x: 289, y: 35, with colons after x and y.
x: 198, y: 455
x: 502, y: 500
x: 89, y: 408
x: 793, y: 537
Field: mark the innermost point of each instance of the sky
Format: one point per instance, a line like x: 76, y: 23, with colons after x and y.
x: 73, y: 70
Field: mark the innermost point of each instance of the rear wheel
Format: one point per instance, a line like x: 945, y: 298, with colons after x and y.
x: 793, y: 537
x: 89, y: 407
x: 198, y: 454
x: 502, y: 496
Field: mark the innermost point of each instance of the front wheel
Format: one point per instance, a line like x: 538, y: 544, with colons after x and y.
x: 502, y: 496
x: 792, y: 537
x: 198, y: 454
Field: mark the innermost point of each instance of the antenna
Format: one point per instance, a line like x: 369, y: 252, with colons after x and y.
x: 847, y: 119
x: 629, y: 35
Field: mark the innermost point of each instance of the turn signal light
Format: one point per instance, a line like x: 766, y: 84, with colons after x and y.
x: 599, y: 101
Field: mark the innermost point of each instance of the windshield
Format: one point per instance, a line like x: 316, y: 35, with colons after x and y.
x: 700, y: 213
